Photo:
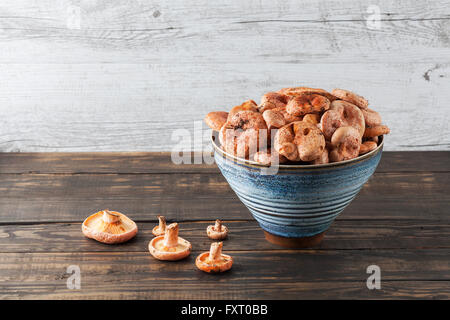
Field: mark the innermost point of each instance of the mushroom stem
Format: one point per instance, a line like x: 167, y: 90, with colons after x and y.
x: 162, y: 223
x: 171, y: 236
x: 110, y: 217
x: 218, y: 225
x: 215, y: 251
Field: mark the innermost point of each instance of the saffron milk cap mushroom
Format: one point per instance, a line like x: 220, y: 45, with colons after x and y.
x: 109, y: 227
x: 160, y: 229
x: 217, y: 231
x: 170, y: 247
x: 214, y: 261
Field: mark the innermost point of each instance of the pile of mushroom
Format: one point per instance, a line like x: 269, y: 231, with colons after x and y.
x: 299, y: 125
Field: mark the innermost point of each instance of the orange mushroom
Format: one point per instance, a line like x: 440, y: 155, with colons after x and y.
x: 109, y: 227
x: 160, y: 229
x: 217, y: 231
x: 214, y: 261
x: 170, y: 246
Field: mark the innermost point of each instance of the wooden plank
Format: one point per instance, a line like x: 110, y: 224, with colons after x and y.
x: 160, y: 162
x: 188, y: 197
x: 132, y: 107
x: 255, y: 31
x: 254, y: 274
x: 299, y: 290
x: 244, y: 235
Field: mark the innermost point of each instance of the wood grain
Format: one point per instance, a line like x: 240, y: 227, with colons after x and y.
x: 194, y: 196
x: 160, y: 162
x: 243, y: 236
x: 254, y: 274
x: 133, y: 72
x: 112, y: 107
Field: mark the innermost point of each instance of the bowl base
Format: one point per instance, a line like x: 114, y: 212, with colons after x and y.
x: 304, y: 242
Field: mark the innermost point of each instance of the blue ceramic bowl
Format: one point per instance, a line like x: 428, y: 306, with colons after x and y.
x: 298, y: 204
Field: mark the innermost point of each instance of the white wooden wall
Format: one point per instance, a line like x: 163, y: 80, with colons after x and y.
x: 128, y: 73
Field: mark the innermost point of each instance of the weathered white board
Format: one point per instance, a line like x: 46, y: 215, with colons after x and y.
x: 124, y: 75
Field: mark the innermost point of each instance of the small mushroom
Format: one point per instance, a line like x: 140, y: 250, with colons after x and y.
x: 307, y: 103
x: 323, y: 158
x: 376, y: 131
x: 371, y: 117
x: 342, y: 114
x: 296, y: 91
x: 367, y: 146
x: 109, y: 227
x: 351, y: 97
x: 299, y: 141
x: 214, y: 261
x: 160, y: 229
x: 278, y: 117
x: 215, y: 120
x: 241, y: 135
x: 272, y: 100
x: 170, y: 246
x: 248, y: 105
x: 217, y: 231
x: 345, y: 144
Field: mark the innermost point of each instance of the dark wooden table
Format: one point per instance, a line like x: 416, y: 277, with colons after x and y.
x: 400, y: 221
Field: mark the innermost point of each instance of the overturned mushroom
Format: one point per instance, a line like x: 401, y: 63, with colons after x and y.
x: 272, y: 100
x: 307, y: 103
x: 351, y: 97
x: 345, y: 144
x: 299, y: 141
x: 109, y: 227
x: 214, y: 261
x: 215, y: 120
x: 341, y: 114
x: 160, y: 229
x: 217, y: 231
x: 170, y: 246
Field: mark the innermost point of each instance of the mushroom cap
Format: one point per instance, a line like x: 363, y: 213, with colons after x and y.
x: 342, y: 114
x: 248, y: 105
x: 345, y: 142
x: 216, y: 234
x: 156, y: 231
x: 295, y: 91
x: 222, y: 262
x: 117, y: 229
x: 307, y: 103
x: 299, y: 141
x: 161, y: 252
x: 215, y: 120
x: 351, y: 97
x: 272, y: 100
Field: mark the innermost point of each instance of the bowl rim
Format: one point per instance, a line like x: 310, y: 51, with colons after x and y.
x: 252, y: 163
